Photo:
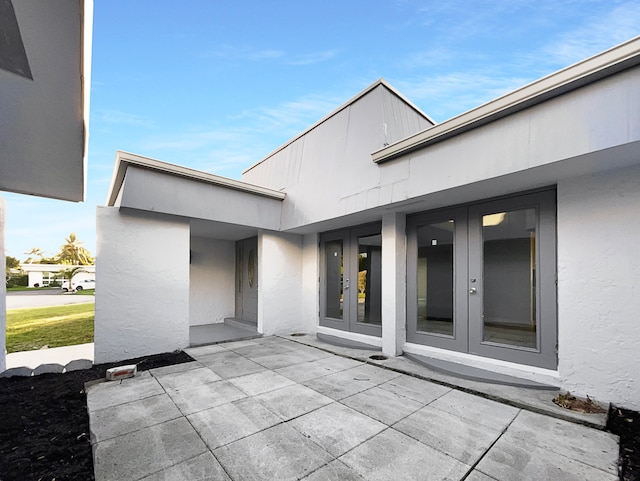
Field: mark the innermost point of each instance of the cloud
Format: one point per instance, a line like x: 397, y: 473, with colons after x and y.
x: 597, y: 34
x: 229, y: 52
x: 313, y: 58
x: 447, y: 95
x: 265, y: 54
x: 119, y: 117
x: 228, y: 146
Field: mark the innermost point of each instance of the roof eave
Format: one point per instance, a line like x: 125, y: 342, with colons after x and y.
x: 609, y: 62
x: 125, y: 159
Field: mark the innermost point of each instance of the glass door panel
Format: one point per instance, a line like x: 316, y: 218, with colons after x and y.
x: 369, y: 279
x: 509, y: 274
x: 512, y: 271
x: 435, y: 278
x: 437, y: 307
x: 334, y: 272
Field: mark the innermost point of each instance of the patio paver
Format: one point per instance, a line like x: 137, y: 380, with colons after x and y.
x: 227, y: 417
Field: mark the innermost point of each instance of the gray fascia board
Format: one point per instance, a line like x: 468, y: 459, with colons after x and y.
x: 124, y: 159
x: 349, y: 102
x: 602, y: 65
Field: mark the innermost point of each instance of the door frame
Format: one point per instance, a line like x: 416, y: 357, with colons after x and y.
x: 349, y: 280
x: 468, y: 318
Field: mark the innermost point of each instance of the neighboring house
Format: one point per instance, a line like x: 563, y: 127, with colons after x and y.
x: 44, y: 274
x: 505, y: 238
x: 45, y: 71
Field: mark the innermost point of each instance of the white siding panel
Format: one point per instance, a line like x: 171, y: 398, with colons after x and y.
x: 400, y: 120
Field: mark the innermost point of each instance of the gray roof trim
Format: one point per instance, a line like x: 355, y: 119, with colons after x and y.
x: 607, y: 63
x: 349, y: 102
x: 125, y: 159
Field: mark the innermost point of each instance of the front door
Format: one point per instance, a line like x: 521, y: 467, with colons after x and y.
x: 481, y: 279
x: 247, y: 279
x: 351, y: 282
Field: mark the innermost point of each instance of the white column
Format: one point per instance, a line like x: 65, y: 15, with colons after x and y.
x: 279, y: 283
x: 394, y: 285
x: 142, y: 279
x: 3, y: 294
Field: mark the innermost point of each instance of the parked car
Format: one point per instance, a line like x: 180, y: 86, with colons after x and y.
x: 79, y: 285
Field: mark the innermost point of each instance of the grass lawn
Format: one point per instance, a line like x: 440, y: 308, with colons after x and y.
x: 29, y: 329
x: 24, y: 288
x: 86, y: 292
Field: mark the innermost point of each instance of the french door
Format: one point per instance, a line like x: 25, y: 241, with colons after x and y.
x: 482, y: 279
x: 351, y: 283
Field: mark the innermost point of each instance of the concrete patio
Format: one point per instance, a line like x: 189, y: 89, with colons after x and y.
x: 275, y: 408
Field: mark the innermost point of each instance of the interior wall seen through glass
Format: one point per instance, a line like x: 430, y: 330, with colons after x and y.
x: 435, y: 269
x: 370, y: 279
x: 509, y: 275
x: 334, y: 274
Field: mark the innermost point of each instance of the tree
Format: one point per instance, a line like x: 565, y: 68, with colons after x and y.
x: 35, y: 256
x: 12, y: 266
x: 68, y: 274
x: 72, y: 252
x: 12, y: 263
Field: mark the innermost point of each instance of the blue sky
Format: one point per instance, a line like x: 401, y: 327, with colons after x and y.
x: 217, y: 85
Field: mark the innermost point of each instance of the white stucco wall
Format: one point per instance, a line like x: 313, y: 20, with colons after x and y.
x: 310, y: 284
x: 35, y: 278
x: 212, y: 278
x: 142, y: 304
x: 598, y: 293
x: 279, y: 283
x: 3, y: 292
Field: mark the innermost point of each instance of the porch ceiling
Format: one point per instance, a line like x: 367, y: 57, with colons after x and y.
x: 44, y: 98
x: 221, y: 230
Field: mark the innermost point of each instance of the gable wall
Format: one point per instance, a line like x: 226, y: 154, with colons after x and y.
x: 332, y: 162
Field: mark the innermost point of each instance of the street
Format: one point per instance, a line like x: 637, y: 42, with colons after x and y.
x: 44, y: 298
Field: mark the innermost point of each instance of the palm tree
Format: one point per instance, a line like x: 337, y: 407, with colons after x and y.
x: 69, y: 273
x: 72, y: 252
x: 35, y: 252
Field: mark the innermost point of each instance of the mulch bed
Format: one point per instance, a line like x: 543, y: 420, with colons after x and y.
x: 626, y: 424
x: 44, y: 425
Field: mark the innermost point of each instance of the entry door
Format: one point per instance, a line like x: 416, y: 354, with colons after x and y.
x: 247, y: 279
x: 481, y: 279
x: 351, y: 283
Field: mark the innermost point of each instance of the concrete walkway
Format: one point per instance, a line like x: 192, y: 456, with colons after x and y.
x: 55, y: 355
x: 275, y: 409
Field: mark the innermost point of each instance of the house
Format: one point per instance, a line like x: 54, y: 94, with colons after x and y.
x: 45, y: 72
x: 44, y: 274
x: 505, y: 238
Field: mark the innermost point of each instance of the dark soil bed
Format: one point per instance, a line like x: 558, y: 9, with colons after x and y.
x: 44, y: 424
x: 626, y: 424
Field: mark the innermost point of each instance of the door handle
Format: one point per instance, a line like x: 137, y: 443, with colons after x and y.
x: 473, y: 290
